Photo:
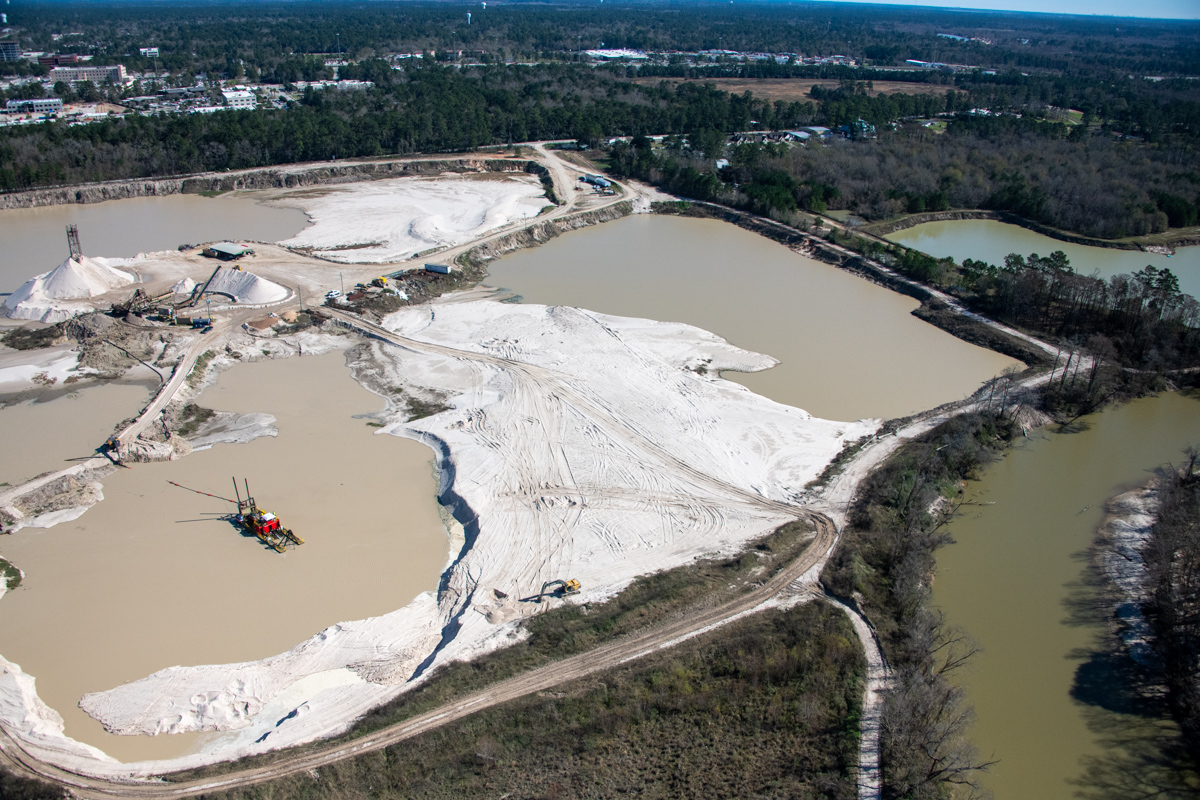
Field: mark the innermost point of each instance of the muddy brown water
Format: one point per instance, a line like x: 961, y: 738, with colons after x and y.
x: 849, y: 349
x: 33, y: 240
x: 990, y: 240
x: 81, y: 421
x: 154, y: 576
x: 1015, y: 566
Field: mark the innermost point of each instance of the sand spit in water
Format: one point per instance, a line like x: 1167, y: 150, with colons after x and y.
x: 391, y: 220
x: 576, y: 445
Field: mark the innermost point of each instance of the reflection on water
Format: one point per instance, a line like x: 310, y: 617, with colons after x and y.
x: 1015, y: 580
x: 990, y: 241
x: 849, y: 349
x: 154, y: 576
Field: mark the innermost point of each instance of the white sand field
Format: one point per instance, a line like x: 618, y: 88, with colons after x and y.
x: 391, y: 220
x: 577, y: 445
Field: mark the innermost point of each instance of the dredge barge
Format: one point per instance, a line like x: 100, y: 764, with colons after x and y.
x: 263, y: 524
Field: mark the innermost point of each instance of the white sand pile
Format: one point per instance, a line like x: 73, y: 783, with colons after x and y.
x: 247, y: 288
x: 578, y: 446
x: 47, y: 297
x: 391, y: 220
x: 185, y: 286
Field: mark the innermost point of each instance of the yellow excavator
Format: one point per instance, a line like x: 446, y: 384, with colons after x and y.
x: 558, y: 588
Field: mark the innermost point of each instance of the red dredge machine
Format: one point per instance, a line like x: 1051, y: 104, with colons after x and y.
x: 263, y: 524
x: 254, y: 520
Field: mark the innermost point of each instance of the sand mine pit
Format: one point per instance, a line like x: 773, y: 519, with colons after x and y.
x: 154, y: 576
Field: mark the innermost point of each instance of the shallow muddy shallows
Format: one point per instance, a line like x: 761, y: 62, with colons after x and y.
x: 848, y: 349
x: 155, y: 576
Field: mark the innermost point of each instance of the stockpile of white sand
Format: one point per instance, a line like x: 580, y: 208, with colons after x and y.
x: 185, y: 286
x: 390, y: 220
x: 48, y: 297
x: 247, y: 288
x: 580, y: 445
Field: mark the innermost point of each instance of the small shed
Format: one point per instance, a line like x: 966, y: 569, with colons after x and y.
x: 441, y: 269
x: 227, y: 251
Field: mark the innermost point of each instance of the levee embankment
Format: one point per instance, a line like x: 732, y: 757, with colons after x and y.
x: 291, y: 176
x: 477, y: 257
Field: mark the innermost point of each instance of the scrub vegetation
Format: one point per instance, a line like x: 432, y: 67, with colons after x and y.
x: 767, y: 706
x: 15, y: 788
x: 885, y: 564
x: 1172, y: 558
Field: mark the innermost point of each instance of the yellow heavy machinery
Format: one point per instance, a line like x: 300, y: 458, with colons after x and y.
x: 558, y: 588
x: 381, y: 282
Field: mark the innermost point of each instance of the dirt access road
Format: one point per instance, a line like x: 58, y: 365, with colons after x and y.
x: 786, y: 582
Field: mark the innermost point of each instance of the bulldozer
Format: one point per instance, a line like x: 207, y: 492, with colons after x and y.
x: 558, y: 588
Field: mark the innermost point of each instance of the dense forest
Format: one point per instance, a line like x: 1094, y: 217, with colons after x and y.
x: 221, y: 36
x: 1125, y: 167
x: 1089, y: 184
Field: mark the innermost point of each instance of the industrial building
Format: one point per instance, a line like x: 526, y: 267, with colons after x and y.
x: 42, y: 105
x: 597, y: 181
x: 240, y: 99
x: 96, y: 75
x: 227, y: 251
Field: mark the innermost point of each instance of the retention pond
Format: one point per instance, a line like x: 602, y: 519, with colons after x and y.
x: 155, y: 576
x: 848, y: 349
x: 1016, y: 572
x: 989, y: 240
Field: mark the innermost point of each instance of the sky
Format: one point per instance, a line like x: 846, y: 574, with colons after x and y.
x: 1156, y: 9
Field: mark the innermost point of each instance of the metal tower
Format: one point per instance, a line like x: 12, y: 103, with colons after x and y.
x: 73, y: 241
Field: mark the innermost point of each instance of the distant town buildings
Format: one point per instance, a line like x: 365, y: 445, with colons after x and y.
x: 10, y: 51
x: 148, y: 52
x: 97, y: 75
x: 61, y: 59
x: 42, y: 105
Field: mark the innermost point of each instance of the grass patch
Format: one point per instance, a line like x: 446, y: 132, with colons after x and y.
x: 200, y: 367
x: 211, y: 192
x: 834, y: 468
x: 374, y: 424
x: 764, y: 707
x: 30, y: 339
x: 11, y: 577
x: 420, y: 409
x: 192, y: 417
x: 571, y: 629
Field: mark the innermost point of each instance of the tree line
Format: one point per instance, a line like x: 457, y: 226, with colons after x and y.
x: 1172, y: 556
x: 886, y: 558
x: 222, y: 36
x: 1090, y: 184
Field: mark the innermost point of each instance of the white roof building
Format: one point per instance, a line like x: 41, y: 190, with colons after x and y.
x: 240, y: 98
